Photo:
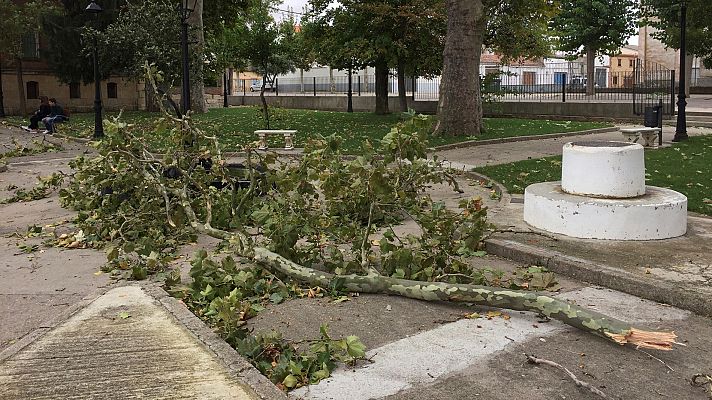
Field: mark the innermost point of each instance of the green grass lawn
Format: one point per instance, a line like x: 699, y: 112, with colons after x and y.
x: 236, y: 125
x: 686, y: 168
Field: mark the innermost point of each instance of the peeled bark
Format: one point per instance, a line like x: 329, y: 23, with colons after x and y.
x: 570, y: 314
x: 382, y: 87
x: 590, y: 71
x: 460, y: 104
x: 197, y: 88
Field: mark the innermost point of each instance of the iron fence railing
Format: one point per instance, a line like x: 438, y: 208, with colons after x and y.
x: 637, y: 82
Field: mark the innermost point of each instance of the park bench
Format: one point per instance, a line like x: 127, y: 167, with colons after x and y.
x: 647, y: 134
x: 288, y: 137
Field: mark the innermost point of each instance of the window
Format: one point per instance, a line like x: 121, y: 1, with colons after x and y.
x: 630, y: 63
x: 33, y: 90
x: 615, y: 80
x: 112, y: 90
x: 619, y: 62
x: 30, y: 46
x: 74, y: 90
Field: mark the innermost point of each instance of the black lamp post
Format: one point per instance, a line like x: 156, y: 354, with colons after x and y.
x: 185, y: 12
x: 95, y: 9
x: 681, y: 128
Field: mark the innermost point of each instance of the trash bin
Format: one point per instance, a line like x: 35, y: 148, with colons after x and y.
x: 651, y: 116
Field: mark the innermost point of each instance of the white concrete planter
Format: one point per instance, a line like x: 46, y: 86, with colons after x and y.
x: 603, y: 169
x: 659, y: 214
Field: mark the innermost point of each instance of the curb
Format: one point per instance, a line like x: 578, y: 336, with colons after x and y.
x: 237, y: 366
x: 504, y: 196
x: 473, y: 143
x: 603, y: 275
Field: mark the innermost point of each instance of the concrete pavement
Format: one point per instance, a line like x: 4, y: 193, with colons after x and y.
x: 418, y: 350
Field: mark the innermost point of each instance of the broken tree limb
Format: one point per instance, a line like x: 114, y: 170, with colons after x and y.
x: 570, y: 314
x: 577, y: 381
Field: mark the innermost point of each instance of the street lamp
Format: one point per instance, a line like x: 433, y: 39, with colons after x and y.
x: 95, y: 9
x: 185, y: 12
x: 681, y: 128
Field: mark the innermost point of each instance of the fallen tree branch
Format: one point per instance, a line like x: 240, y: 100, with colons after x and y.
x: 570, y: 314
x: 577, y: 381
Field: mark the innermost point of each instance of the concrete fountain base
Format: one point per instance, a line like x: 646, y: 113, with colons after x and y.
x: 658, y: 214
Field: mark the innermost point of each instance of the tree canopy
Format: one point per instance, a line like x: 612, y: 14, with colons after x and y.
x: 664, y: 16
x: 593, y: 27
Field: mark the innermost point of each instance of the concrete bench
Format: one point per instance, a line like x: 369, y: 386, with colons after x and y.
x: 648, y: 135
x: 288, y: 137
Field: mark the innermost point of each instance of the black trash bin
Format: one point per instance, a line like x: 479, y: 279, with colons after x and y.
x: 651, y: 117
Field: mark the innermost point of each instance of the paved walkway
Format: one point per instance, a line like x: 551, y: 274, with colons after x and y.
x: 123, y: 345
x: 62, y: 338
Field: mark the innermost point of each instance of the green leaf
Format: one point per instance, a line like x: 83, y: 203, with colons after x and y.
x: 123, y: 315
x: 290, y: 381
x: 354, y: 347
x: 276, y: 298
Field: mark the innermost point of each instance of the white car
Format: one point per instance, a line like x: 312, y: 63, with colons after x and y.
x: 257, y: 86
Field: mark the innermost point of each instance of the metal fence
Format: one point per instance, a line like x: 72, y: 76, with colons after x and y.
x: 643, y: 84
x: 653, y: 84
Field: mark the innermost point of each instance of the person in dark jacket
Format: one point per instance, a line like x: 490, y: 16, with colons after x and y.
x: 56, y: 115
x: 42, y: 112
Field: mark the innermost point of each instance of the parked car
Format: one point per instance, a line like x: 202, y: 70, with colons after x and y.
x: 257, y: 86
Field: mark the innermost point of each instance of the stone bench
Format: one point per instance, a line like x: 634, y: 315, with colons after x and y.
x: 648, y: 135
x: 288, y: 137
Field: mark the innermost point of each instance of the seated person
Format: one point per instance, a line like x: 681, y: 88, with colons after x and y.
x: 56, y: 115
x: 42, y: 112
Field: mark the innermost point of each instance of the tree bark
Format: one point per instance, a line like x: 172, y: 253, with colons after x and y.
x: 197, y: 88
x: 402, y: 98
x: 265, y: 108
x: 688, y: 73
x: 460, y: 103
x: 20, y: 86
x: 382, y: 87
x: 570, y: 314
x: 590, y: 71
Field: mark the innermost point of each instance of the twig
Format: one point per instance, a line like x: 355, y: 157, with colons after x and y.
x: 577, y: 381
x: 523, y: 231
x: 661, y: 361
x: 364, y: 252
x: 701, y: 380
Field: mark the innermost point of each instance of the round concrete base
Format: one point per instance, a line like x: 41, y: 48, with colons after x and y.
x: 603, y: 169
x: 658, y: 214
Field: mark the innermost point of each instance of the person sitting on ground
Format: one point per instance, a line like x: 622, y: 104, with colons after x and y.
x: 42, y: 112
x: 55, y: 116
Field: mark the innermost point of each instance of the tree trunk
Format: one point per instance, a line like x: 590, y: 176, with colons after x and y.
x: 590, y: 71
x: 382, y: 87
x: 460, y: 104
x: 265, y: 109
x: 197, y: 88
x: 301, y: 80
x: 332, y: 86
x: 688, y: 73
x: 570, y: 314
x: 20, y: 86
x: 402, y: 98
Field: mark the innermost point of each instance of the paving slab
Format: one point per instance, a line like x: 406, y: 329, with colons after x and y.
x: 124, y: 345
x: 483, y: 358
